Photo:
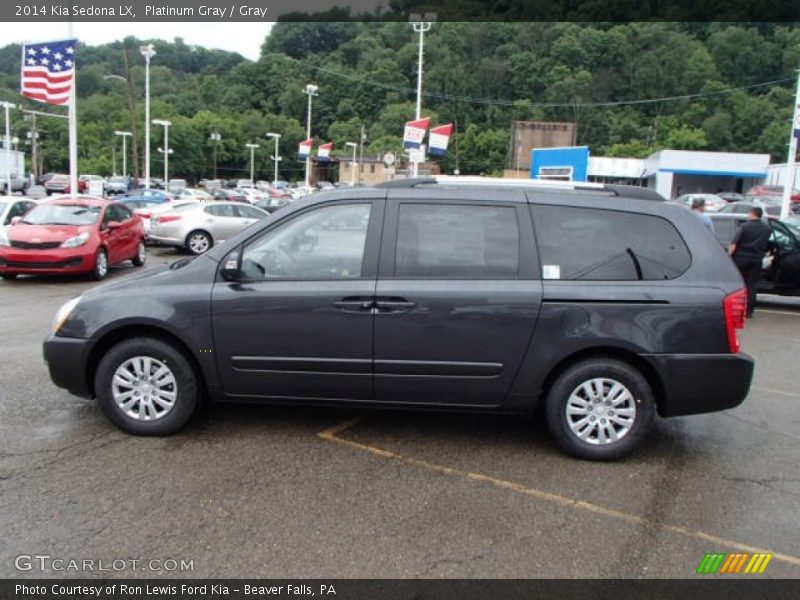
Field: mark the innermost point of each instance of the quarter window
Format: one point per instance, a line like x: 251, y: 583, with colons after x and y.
x: 596, y: 244
x: 457, y: 240
x: 326, y: 243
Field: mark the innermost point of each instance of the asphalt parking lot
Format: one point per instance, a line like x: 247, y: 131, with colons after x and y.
x: 254, y: 491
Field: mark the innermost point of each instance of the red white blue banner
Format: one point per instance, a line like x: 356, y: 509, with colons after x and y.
x: 438, y: 139
x: 305, y: 148
x: 414, y: 133
x: 324, y: 152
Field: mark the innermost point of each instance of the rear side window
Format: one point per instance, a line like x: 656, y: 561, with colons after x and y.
x: 452, y: 240
x: 596, y: 244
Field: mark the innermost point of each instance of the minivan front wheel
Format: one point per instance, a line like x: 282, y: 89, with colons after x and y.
x: 600, y: 409
x: 146, y: 387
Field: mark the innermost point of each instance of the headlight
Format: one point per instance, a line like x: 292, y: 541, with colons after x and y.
x: 64, y: 312
x: 78, y: 240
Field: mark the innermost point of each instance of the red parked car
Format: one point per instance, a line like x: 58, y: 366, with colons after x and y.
x: 775, y: 191
x: 66, y: 236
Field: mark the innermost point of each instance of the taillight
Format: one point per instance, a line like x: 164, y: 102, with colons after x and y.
x: 735, y: 307
x: 168, y: 218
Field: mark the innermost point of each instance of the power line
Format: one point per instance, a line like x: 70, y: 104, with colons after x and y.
x: 500, y: 102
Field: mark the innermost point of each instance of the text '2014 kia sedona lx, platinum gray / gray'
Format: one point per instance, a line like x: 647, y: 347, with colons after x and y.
x: 606, y: 305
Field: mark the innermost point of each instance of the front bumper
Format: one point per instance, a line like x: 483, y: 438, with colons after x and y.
x: 67, y: 360
x: 701, y: 383
x: 62, y: 260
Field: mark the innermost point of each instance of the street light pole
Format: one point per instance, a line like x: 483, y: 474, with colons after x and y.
x: 167, y: 150
x: 216, y: 137
x: 311, y: 90
x: 276, y: 157
x: 354, y: 146
x: 148, y: 52
x: 252, y: 160
x: 124, y: 135
x: 420, y: 25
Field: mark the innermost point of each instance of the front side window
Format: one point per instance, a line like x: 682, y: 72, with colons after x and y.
x: 457, y: 240
x: 596, y: 244
x: 220, y: 210
x: 326, y: 243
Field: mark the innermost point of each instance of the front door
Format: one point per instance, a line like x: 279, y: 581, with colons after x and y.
x: 298, y: 322
x: 457, y: 300
x: 785, y: 268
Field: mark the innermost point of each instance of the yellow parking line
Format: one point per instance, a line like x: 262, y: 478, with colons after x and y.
x: 332, y: 435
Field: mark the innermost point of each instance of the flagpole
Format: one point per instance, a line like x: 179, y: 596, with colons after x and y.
x: 788, y: 184
x: 73, y: 124
x: 8, y: 106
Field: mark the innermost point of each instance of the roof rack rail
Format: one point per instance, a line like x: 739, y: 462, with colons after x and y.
x: 629, y: 191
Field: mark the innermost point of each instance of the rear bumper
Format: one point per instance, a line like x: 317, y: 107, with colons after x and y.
x: 66, y: 360
x: 701, y: 383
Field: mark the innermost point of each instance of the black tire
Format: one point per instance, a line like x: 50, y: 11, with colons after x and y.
x: 140, y: 257
x: 571, y: 380
x: 186, y: 394
x: 100, y: 270
x: 199, y: 248
x: 8, y: 276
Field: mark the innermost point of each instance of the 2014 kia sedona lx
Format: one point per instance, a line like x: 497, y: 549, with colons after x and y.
x: 604, y: 303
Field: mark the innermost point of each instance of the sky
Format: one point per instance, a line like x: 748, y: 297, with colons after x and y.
x: 244, y: 38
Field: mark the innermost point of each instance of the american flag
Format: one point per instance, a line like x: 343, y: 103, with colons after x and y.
x: 48, y: 71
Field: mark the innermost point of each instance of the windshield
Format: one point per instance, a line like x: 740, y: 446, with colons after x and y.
x: 63, y: 214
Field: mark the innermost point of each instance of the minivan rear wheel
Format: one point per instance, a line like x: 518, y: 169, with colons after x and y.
x: 600, y: 409
x: 146, y: 386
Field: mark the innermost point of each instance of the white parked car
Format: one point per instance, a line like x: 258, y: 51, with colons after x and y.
x: 713, y: 202
x: 201, y: 225
x: 194, y: 194
x: 253, y: 195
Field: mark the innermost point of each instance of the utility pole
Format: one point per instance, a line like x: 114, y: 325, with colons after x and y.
x: 33, y: 136
x: 361, y: 141
x: 132, y: 116
x: 124, y: 135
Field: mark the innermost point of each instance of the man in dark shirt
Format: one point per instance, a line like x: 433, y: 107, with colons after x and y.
x: 748, y: 247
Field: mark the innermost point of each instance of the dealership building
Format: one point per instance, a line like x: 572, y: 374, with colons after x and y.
x: 669, y: 172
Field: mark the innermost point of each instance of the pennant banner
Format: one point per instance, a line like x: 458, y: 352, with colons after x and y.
x: 305, y: 148
x: 324, y: 152
x: 439, y: 138
x: 414, y: 133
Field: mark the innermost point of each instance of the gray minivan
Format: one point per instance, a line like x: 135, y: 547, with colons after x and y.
x: 602, y: 303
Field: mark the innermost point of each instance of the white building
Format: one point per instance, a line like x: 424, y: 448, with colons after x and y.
x: 776, y: 174
x: 675, y: 172
x: 603, y: 169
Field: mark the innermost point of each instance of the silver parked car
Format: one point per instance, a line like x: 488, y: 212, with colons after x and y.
x: 198, y: 226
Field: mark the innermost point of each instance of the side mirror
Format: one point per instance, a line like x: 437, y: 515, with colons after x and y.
x: 114, y: 224
x: 15, y: 220
x: 230, y: 267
